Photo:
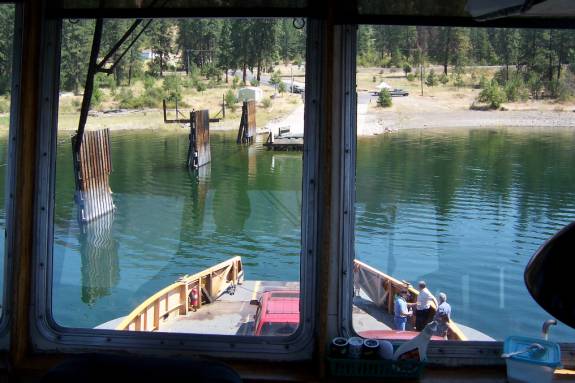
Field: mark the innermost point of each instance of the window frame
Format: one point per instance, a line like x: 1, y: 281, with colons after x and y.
x: 445, y: 353
x: 14, y: 133
x: 48, y: 336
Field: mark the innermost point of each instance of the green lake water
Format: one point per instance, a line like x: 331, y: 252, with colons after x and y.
x: 462, y: 209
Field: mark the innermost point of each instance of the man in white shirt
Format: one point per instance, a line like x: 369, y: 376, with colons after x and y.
x: 423, y: 306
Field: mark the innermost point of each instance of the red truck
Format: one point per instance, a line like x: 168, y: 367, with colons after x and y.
x: 277, y: 313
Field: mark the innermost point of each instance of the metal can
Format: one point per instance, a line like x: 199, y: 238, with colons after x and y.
x: 370, y: 349
x: 338, y: 347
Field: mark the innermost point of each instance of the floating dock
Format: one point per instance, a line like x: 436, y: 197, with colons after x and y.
x: 284, y: 141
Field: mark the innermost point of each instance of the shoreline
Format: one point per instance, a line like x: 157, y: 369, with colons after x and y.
x: 369, y: 124
x: 397, y: 121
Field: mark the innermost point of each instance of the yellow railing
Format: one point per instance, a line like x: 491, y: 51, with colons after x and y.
x: 173, y: 300
x: 389, y: 286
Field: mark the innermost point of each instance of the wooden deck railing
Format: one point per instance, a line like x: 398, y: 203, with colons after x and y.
x: 389, y: 286
x: 173, y: 300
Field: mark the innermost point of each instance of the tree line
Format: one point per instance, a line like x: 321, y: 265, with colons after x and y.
x: 212, y: 46
x: 535, y: 57
x: 537, y: 49
x: 6, y: 37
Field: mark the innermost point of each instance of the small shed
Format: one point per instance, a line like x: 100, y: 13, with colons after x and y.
x: 250, y: 93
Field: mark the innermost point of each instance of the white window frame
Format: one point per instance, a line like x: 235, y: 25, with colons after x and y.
x: 446, y: 353
x: 14, y: 133
x: 48, y: 336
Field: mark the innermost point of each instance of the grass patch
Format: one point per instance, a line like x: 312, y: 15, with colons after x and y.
x: 5, y: 122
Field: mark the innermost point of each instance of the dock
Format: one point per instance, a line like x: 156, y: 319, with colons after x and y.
x: 284, y: 141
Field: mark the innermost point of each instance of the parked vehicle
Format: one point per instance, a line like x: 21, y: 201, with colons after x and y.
x: 399, y: 93
x: 277, y: 313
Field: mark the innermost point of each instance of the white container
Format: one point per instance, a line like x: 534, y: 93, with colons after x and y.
x: 531, y: 367
x: 250, y: 93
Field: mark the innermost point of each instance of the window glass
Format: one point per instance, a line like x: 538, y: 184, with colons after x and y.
x: 182, y: 249
x: 6, y: 41
x: 464, y: 156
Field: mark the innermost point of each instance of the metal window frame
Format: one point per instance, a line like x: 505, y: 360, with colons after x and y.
x: 14, y: 134
x: 48, y: 337
x: 444, y: 353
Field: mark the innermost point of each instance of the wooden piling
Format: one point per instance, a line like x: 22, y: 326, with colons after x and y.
x: 92, y: 168
x: 247, y: 130
x: 199, y: 153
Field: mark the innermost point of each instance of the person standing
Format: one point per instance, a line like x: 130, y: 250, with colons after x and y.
x: 401, y: 311
x: 423, y: 306
x: 442, y: 316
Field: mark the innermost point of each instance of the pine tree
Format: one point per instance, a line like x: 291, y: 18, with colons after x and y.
x: 225, y: 58
x: 160, y: 38
x: 76, y: 46
x: 507, y: 47
x: 384, y: 100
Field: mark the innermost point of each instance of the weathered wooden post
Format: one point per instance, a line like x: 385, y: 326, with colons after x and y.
x: 165, y: 111
x: 223, y: 106
x: 247, y: 130
x: 199, y: 153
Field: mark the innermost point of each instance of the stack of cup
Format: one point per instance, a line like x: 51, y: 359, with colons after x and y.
x: 359, y: 348
x: 339, y: 347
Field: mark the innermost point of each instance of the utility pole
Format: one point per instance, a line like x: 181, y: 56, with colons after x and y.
x: 421, y: 77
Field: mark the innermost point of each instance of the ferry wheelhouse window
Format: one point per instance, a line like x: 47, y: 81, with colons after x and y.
x: 7, y: 12
x: 179, y: 207
x: 465, y: 145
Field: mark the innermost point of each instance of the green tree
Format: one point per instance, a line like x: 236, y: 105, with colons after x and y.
x: 290, y: 41
x: 492, y: 95
x: 432, y: 79
x: 507, y: 47
x: 262, y: 33
x: 160, y: 40
x: 76, y: 46
x: 241, y: 43
x: 384, y: 100
x: 6, y: 36
x: 225, y: 52
x: 365, y: 45
x: 231, y: 100
x: 172, y: 87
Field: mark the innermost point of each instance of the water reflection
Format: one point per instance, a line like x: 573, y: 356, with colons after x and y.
x: 100, y: 263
